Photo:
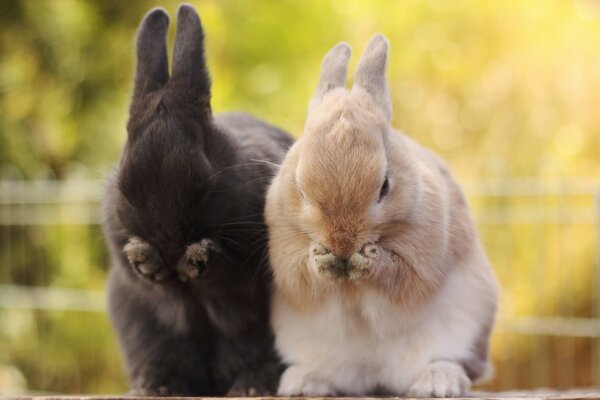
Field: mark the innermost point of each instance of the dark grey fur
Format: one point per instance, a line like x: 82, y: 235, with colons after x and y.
x: 189, y: 287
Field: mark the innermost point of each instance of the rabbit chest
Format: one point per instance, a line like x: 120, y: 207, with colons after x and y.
x: 362, y: 341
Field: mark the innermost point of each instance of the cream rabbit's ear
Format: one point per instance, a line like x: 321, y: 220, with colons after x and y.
x: 371, y: 73
x: 333, y: 70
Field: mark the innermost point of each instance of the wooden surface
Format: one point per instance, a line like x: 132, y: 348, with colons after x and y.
x: 536, y: 394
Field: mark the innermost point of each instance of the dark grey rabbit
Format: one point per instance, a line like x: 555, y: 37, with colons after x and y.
x: 189, y: 288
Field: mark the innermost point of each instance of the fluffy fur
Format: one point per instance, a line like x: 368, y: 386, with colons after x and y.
x: 189, y: 284
x: 379, y: 286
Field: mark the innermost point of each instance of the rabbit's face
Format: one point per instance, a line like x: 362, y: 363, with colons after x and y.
x: 342, y: 177
x: 342, y: 189
x: 171, y: 196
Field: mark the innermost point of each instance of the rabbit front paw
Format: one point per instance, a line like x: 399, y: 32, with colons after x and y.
x: 441, y: 379
x: 144, y: 259
x: 361, y: 263
x: 323, y: 262
x: 296, y: 381
x: 257, y: 381
x: 195, y: 260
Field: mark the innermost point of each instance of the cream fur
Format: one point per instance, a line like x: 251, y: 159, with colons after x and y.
x: 413, y: 313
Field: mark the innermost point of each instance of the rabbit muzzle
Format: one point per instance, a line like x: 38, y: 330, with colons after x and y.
x: 349, y: 268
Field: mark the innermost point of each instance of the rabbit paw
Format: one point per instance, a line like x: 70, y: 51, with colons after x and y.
x: 195, y: 260
x: 361, y: 263
x: 257, y: 381
x: 296, y: 381
x: 144, y: 260
x: 441, y: 379
x: 324, y: 263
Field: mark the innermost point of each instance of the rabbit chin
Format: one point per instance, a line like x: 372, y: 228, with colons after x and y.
x: 359, y: 343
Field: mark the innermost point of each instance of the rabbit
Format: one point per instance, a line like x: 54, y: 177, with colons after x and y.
x: 189, y: 287
x: 381, y: 282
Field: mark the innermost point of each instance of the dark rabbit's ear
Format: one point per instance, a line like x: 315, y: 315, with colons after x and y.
x: 189, y: 71
x: 152, y: 70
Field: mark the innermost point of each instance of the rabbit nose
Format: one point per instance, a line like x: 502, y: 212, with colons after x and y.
x: 340, y: 262
x: 339, y: 265
x: 342, y: 244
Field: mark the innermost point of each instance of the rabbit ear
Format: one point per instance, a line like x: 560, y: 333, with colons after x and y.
x: 371, y: 70
x: 189, y: 66
x: 333, y: 69
x: 152, y: 70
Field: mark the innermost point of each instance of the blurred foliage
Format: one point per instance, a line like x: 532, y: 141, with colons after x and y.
x: 498, y: 88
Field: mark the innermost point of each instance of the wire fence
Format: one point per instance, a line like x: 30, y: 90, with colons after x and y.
x: 542, y: 237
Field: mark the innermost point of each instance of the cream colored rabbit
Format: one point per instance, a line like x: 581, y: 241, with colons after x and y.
x: 381, y: 281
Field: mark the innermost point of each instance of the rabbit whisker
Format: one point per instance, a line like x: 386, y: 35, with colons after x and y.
x: 269, y: 163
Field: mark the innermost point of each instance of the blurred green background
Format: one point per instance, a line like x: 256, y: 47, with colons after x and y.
x: 508, y: 92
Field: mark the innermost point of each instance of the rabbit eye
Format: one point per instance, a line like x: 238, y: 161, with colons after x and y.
x: 385, y: 188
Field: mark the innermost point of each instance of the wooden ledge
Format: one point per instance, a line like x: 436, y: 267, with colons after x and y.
x: 520, y: 395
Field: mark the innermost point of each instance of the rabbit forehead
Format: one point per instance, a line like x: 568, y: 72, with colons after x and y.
x: 163, y: 175
x: 166, y: 149
x: 344, y: 134
x: 341, y: 167
x: 353, y: 106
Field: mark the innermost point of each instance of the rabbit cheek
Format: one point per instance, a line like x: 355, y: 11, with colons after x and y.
x: 195, y: 260
x: 144, y: 260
